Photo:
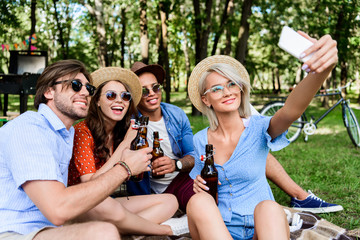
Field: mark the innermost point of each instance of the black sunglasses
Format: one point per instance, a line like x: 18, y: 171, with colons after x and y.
x: 76, y: 85
x: 112, y: 95
x: 156, y: 89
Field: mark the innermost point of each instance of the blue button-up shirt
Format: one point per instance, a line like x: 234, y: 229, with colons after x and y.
x: 33, y: 146
x: 181, y: 139
x: 242, y: 177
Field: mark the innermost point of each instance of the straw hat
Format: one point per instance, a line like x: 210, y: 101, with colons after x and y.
x: 202, y: 67
x: 156, y: 69
x: 124, y: 75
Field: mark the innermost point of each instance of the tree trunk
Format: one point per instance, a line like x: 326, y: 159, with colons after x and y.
x: 278, y: 80
x: 33, y: 21
x: 202, y: 29
x: 60, y: 29
x: 325, y: 99
x: 241, y: 46
x: 227, y: 49
x: 164, y: 10
x: 228, y: 10
x: 273, y: 80
x: 123, y: 34
x: 187, y: 59
x: 144, y: 39
x: 101, y: 32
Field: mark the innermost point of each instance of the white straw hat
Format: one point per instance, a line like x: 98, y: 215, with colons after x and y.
x: 124, y: 75
x: 204, y: 66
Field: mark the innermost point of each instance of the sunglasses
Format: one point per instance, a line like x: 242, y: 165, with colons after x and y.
x: 76, y: 85
x: 112, y: 95
x: 146, y: 92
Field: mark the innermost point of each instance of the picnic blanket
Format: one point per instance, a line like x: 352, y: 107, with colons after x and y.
x: 313, y: 228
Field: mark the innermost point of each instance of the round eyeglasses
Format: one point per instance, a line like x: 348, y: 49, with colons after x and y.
x: 112, y: 95
x: 76, y: 85
x: 218, y: 90
x: 155, y: 88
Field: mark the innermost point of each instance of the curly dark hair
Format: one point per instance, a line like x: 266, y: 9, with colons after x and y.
x: 96, y: 123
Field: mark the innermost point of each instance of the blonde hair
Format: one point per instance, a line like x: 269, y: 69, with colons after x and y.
x: 230, y: 73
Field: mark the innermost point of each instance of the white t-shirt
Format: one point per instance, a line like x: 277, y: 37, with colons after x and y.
x: 158, y: 185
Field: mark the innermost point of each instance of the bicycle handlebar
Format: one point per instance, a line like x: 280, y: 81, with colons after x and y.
x: 336, y: 89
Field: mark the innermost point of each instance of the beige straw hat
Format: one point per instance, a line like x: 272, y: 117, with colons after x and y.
x: 202, y: 67
x: 124, y: 75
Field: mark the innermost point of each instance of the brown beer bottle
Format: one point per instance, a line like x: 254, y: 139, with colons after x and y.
x: 140, y: 142
x: 156, y: 153
x: 209, y: 173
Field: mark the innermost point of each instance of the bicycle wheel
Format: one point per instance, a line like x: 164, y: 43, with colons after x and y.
x: 294, y: 130
x: 351, y: 124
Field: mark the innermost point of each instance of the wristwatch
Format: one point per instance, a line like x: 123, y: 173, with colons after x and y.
x: 178, y: 165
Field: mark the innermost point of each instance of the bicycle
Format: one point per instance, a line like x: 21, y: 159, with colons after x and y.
x: 309, y: 127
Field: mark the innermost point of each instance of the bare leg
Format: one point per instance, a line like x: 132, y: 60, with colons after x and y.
x: 270, y: 221
x: 277, y: 174
x: 127, y: 222
x: 156, y: 208
x: 90, y: 230
x: 204, y: 218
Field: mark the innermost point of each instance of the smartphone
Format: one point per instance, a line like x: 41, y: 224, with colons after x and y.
x: 293, y: 43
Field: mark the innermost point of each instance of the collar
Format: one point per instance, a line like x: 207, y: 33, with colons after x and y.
x: 51, y: 117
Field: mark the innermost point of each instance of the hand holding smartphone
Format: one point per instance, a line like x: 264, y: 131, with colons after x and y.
x: 295, y: 44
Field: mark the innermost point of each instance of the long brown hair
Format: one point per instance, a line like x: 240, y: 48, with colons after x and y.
x: 95, y: 120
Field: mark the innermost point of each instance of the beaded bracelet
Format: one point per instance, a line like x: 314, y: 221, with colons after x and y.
x: 121, y: 163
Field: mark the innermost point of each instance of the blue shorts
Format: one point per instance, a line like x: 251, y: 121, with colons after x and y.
x: 241, y: 227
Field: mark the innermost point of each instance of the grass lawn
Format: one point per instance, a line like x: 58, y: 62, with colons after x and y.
x: 328, y: 164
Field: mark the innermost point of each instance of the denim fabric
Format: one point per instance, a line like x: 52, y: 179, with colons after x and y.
x: 241, y: 227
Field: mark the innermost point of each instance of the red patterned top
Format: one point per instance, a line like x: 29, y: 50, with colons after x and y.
x: 83, y: 160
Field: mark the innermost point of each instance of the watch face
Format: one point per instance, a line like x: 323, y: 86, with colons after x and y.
x: 178, y: 164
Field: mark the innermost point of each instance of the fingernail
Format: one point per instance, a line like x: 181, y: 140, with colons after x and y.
x: 308, y: 70
x: 302, y: 55
x: 204, y: 182
x: 313, y: 72
x: 305, y: 66
x: 207, y: 188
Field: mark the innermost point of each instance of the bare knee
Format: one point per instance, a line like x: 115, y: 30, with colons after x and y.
x: 270, y: 221
x: 268, y: 208
x: 102, y: 230
x: 170, y: 200
x: 199, y: 202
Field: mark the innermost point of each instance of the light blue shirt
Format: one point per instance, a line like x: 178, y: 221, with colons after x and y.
x: 33, y: 146
x: 242, y: 177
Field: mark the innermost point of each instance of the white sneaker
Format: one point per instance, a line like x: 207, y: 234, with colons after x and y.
x: 296, y: 223
x: 294, y: 220
x: 178, y: 226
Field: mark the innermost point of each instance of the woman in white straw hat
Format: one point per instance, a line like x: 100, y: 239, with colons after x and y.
x: 98, y: 146
x: 219, y: 87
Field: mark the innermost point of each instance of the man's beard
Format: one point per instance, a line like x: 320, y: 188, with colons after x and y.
x: 69, y: 110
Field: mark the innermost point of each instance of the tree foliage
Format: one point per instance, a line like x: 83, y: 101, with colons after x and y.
x: 180, y: 33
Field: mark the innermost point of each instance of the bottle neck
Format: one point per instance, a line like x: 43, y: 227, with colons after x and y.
x: 156, y: 143
x: 209, y: 159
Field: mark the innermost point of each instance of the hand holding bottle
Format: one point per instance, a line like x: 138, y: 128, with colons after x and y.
x: 138, y: 161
